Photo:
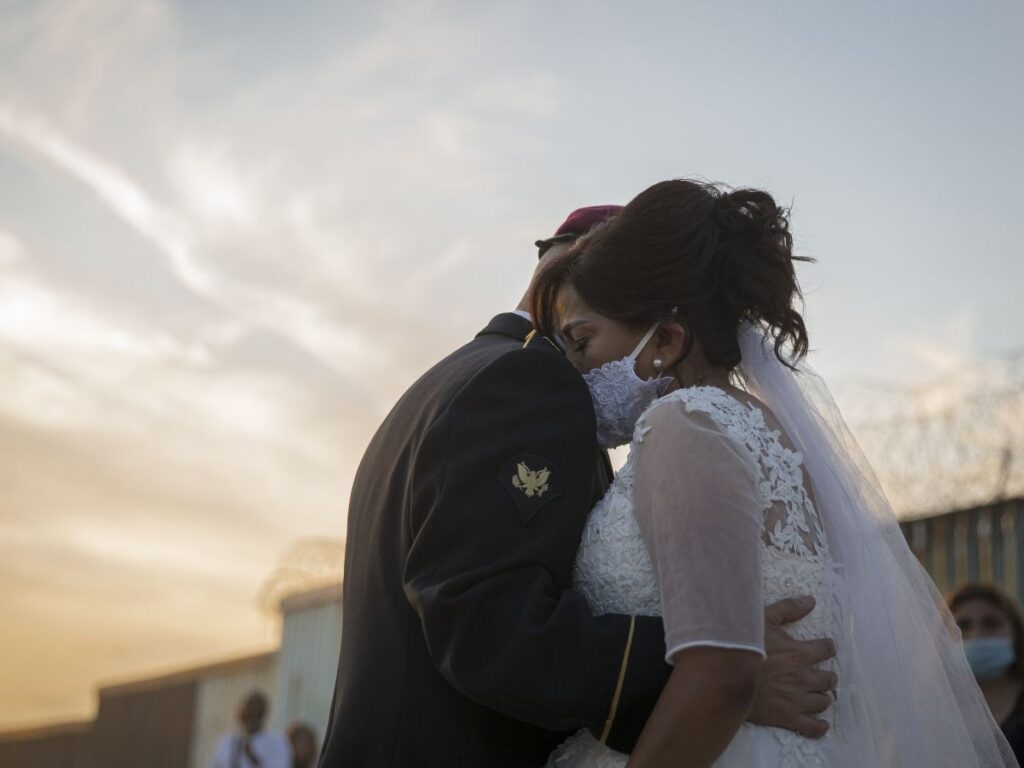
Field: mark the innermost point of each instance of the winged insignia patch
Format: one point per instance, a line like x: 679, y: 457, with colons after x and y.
x: 532, y: 483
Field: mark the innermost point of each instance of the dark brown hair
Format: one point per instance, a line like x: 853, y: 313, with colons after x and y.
x: 718, y: 256
x: 993, y: 595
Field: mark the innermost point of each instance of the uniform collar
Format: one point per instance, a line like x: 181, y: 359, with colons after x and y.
x: 508, y: 324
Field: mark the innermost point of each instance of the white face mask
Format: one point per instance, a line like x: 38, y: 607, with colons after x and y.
x: 620, y: 396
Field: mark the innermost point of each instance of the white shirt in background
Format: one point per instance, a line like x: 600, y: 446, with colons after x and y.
x: 272, y: 749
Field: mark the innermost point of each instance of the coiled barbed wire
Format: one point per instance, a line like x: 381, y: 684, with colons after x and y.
x: 952, y: 443
x: 308, y: 564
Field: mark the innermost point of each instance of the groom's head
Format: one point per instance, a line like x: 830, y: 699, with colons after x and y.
x: 579, y: 222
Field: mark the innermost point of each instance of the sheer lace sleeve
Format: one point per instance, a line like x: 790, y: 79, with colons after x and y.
x: 699, y: 509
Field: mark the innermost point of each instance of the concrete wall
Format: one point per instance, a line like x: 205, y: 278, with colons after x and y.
x: 58, y: 746
x: 308, y: 659
x: 145, y: 723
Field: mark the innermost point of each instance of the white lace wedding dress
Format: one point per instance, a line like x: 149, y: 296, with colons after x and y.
x: 719, y: 470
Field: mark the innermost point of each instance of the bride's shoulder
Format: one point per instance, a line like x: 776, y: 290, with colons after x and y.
x: 692, y: 400
x: 685, y: 408
x: 690, y: 429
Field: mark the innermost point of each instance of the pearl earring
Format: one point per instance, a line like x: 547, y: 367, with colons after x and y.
x: 657, y: 363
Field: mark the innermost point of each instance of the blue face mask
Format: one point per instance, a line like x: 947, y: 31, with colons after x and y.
x: 989, y: 657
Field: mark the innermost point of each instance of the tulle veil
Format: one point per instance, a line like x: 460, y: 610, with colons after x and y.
x: 906, y: 694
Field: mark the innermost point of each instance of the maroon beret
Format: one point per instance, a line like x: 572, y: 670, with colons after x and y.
x: 578, y: 223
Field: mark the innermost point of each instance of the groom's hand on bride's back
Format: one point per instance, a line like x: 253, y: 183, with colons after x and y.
x: 793, y: 690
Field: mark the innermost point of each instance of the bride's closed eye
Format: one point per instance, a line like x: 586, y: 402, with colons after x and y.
x: 575, y: 349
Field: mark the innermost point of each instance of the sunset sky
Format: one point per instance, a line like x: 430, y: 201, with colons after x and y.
x: 232, y: 233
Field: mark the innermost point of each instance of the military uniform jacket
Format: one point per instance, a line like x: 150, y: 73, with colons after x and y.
x: 463, y: 642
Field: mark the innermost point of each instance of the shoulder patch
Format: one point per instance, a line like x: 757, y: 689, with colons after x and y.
x: 532, y: 481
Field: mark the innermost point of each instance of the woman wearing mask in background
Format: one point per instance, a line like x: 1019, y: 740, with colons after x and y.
x: 993, y: 635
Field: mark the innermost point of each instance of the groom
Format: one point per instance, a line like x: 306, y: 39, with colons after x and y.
x: 463, y: 642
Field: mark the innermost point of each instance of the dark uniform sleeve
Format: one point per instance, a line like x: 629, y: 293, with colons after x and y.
x: 504, y: 483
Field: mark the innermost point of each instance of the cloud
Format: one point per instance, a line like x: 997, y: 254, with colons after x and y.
x: 259, y: 305
x: 11, y: 251
x: 34, y: 316
x: 929, y: 352
x: 319, y: 235
x: 535, y: 95
x: 212, y: 187
x: 125, y: 197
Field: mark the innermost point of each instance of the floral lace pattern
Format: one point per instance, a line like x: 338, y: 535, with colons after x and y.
x: 613, y: 567
x: 615, y: 572
x: 620, y: 397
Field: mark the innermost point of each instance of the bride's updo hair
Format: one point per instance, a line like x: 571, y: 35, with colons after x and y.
x: 718, y: 256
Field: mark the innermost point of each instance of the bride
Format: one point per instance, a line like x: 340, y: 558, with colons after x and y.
x: 743, y: 487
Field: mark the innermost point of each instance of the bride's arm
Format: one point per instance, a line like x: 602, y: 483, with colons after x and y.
x: 699, y: 508
x: 706, y: 700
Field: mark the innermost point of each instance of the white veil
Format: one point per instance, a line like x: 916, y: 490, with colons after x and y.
x: 904, y: 683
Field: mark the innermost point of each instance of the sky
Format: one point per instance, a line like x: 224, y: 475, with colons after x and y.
x: 231, y: 234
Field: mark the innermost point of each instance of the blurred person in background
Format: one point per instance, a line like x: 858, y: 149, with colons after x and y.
x: 993, y: 632
x: 303, y: 741
x: 253, y: 747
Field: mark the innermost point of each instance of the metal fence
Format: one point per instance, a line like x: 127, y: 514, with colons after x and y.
x: 978, y: 544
